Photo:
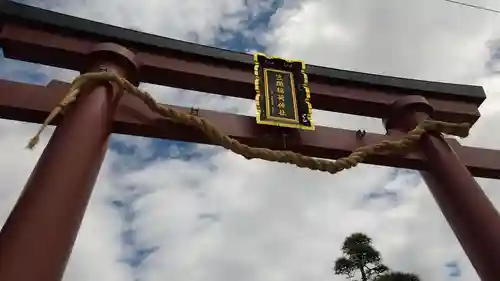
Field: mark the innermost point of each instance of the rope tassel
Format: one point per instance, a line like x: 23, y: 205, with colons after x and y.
x: 282, y: 156
x: 68, y: 99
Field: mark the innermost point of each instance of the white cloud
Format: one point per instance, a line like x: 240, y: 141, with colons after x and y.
x: 226, y: 217
x: 425, y: 40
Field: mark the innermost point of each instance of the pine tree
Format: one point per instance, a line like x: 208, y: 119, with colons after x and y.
x: 361, y: 259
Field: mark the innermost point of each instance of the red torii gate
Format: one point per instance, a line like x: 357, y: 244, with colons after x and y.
x: 48, y: 214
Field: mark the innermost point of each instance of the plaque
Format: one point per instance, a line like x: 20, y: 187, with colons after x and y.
x: 282, y: 94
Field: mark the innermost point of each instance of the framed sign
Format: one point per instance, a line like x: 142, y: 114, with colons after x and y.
x: 282, y: 94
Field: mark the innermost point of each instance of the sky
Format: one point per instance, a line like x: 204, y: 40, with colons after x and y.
x: 164, y: 210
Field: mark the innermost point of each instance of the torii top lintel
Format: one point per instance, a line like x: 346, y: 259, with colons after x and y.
x: 176, y: 63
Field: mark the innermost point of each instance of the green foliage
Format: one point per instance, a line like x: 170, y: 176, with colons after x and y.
x: 397, y: 276
x: 379, y: 269
x: 359, y: 257
x: 344, y: 266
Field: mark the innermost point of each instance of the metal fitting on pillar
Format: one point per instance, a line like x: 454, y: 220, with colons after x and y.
x: 112, y: 53
x: 406, y: 113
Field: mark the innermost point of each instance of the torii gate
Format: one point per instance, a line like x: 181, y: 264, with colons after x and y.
x: 37, y: 238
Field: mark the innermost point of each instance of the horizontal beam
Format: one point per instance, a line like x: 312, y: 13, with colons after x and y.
x: 32, y: 103
x: 41, y: 46
x: 81, y: 28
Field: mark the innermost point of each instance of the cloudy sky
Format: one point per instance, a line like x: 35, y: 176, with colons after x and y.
x: 165, y: 210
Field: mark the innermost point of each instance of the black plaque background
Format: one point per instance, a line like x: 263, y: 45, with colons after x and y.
x: 272, y: 95
x: 298, y: 80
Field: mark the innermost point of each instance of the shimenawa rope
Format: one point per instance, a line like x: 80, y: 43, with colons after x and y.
x: 218, y: 138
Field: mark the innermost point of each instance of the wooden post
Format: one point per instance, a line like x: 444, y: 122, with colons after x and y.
x: 471, y: 215
x: 38, y: 236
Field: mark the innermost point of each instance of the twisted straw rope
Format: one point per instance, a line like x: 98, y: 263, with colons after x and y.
x: 281, y: 156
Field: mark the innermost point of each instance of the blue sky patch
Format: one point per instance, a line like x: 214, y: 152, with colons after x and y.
x: 453, y: 270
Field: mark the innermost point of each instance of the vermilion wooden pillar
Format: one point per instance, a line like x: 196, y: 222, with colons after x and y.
x: 37, y: 238
x: 471, y: 215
